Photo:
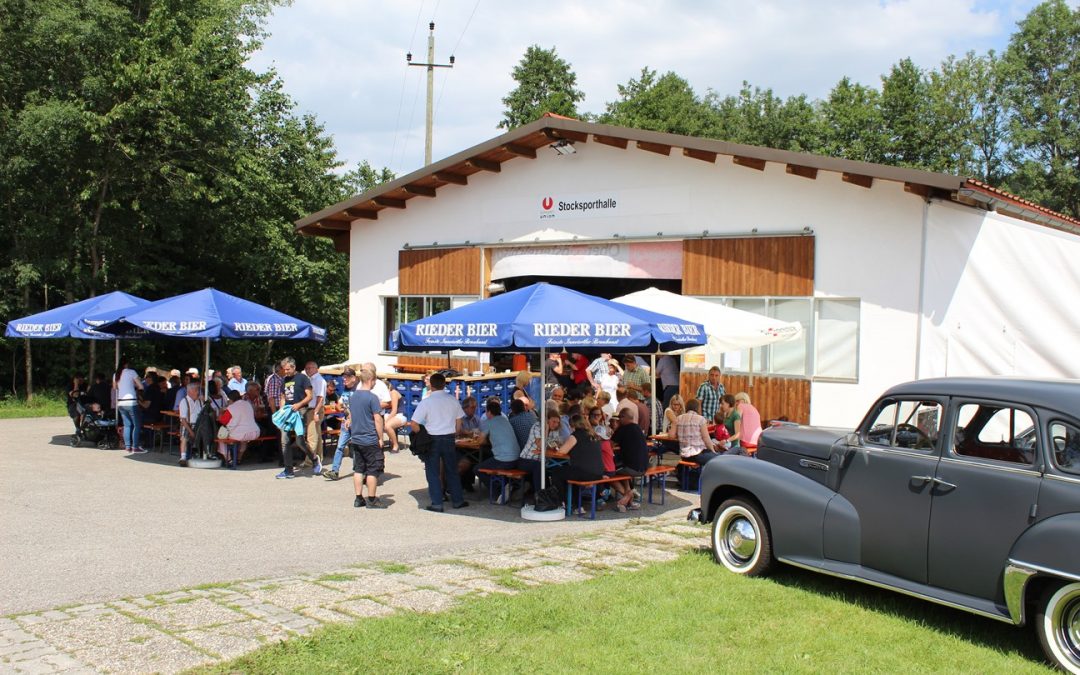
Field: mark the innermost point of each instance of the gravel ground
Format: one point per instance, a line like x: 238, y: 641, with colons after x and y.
x: 82, y: 525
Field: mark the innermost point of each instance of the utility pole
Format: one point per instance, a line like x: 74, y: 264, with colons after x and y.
x: 431, y: 66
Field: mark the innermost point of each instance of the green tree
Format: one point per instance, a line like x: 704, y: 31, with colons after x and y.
x: 139, y: 152
x: 907, y: 117
x: 759, y: 117
x: 965, y: 95
x: 1042, y: 88
x: 365, y: 177
x: 851, y: 123
x: 666, y: 103
x: 546, y: 83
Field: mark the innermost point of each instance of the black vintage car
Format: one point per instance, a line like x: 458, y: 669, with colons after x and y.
x: 964, y: 492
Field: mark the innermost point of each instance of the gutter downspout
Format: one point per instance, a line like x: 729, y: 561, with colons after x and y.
x: 922, y: 290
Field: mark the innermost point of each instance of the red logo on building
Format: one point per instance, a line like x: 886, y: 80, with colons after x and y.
x: 548, y: 203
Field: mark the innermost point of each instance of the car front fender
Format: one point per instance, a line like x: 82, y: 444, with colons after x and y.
x: 794, y: 505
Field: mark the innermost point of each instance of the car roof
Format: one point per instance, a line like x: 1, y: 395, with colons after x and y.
x: 1061, y: 395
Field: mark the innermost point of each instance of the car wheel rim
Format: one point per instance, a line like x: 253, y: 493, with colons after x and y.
x: 1067, y: 626
x: 1062, y: 626
x: 741, y: 540
x: 736, y: 539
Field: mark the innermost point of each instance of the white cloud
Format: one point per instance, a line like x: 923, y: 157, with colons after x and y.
x: 344, y: 60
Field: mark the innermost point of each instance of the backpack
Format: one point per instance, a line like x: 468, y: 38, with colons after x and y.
x: 421, y: 442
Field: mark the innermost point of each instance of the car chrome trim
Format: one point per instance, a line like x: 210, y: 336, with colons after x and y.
x: 1042, y: 569
x: 1064, y: 479
x: 931, y: 454
x: 904, y: 591
x: 988, y: 465
x: 1015, y: 583
x: 811, y: 464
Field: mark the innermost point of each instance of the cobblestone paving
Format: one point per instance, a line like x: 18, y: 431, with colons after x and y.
x: 170, y: 632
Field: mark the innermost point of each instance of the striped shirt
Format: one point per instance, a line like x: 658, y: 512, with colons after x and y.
x: 710, y: 399
x: 273, y: 390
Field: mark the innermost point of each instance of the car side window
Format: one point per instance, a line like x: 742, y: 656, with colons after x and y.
x: 997, y: 432
x: 1065, y: 442
x: 907, y: 424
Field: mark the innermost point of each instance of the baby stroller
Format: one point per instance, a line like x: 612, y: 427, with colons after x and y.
x: 94, y: 426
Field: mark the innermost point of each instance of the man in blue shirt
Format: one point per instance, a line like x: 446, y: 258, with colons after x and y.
x: 350, y: 380
x: 366, y: 429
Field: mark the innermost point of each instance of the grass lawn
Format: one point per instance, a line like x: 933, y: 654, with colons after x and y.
x: 685, y: 616
x: 45, y: 404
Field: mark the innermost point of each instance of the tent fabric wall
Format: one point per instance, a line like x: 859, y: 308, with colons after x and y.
x: 998, y: 297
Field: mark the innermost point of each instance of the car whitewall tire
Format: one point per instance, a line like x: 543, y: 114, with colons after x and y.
x: 1058, y: 626
x: 741, y: 540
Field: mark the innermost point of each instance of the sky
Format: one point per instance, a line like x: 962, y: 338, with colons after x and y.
x: 344, y: 60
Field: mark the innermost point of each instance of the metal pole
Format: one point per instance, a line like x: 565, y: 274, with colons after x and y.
x: 652, y: 403
x: 543, y: 422
x: 206, y: 369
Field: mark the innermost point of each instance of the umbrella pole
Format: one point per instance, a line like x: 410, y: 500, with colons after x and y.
x: 543, y: 423
x: 206, y: 368
x: 652, y: 403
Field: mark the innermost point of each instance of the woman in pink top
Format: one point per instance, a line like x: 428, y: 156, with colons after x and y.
x: 241, y: 425
x: 751, y: 421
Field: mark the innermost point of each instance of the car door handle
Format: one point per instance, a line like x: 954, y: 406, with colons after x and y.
x: 935, y: 480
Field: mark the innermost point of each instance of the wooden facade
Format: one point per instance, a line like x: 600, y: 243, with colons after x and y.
x: 438, y: 362
x: 774, y: 397
x: 750, y: 266
x: 444, y: 271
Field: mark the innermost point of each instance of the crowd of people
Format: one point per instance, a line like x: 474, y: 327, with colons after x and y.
x: 592, y: 406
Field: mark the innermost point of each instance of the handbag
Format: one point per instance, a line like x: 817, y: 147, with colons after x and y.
x: 223, y: 432
x: 548, y: 499
x: 421, y: 442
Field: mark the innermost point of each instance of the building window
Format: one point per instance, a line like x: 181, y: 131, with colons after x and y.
x: 406, y: 308
x: 828, y: 348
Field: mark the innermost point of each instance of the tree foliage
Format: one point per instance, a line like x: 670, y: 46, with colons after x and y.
x: 546, y: 83
x: 1042, y: 87
x: 138, y: 151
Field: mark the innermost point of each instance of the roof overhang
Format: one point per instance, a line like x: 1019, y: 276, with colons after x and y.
x: 524, y: 142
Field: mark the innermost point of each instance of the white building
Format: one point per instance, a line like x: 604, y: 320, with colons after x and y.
x: 895, y: 274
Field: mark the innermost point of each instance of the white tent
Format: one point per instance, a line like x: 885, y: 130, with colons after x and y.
x: 729, y: 329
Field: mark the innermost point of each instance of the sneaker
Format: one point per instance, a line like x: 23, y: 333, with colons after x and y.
x: 330, y: 474
x: 504, y: 496
x: 375, y: 503
x: 434, y: 509
x: 317, y: 469
x: 183, y: 461
x: 140, y: 451
x: 461, y: 505
x: 358, y: 502
x: 285, y: 474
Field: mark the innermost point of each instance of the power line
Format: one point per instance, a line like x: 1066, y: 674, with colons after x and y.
x: 401, y: 97
x: 442, y: 89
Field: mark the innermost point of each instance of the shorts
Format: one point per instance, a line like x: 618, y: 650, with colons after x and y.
x: 399, y: 417
x: 367, y: 460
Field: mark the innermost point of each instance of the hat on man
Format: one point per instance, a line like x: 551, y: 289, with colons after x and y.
x: 193, y: 371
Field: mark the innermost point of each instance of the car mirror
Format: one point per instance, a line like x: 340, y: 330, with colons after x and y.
x: 852, y: 439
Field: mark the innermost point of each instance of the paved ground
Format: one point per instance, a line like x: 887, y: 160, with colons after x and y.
x: 108, y: 539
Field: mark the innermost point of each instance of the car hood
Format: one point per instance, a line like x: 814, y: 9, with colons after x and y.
x: 813, y: 442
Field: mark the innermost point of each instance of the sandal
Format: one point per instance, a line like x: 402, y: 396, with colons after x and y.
x: 634, y: 506
x: 621, y: 508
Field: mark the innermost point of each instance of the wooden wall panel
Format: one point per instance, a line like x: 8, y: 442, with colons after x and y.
x: 774, y: 397
x: 442, y: 271
x: 752, y: 266
x: 462, y: 365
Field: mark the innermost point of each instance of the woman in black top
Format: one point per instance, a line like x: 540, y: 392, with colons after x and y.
x: 586, y: 460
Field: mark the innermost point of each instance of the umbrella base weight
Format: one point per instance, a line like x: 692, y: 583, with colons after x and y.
x: 529, y: 513
x: 204, y: 463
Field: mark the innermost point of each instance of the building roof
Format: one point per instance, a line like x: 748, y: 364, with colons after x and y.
x: 336, y: 220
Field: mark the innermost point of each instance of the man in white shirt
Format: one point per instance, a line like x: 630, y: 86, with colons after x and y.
x: 189, y: 407
x: 313, y: 416
x: 441, y: 414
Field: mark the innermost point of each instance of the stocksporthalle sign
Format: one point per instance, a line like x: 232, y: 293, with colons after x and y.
x: 578, y: 205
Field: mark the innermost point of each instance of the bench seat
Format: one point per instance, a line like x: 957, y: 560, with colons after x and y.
x: 498, y: 479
